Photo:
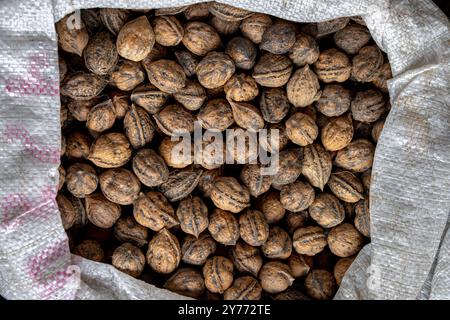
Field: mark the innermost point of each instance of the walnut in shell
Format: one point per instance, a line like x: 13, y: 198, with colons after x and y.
x: 334, y: 101
x: 152, y: 210
x: 244, y: 288
x: 127, y: 229
x: 247, y: 116
x: 129, y: 259
x: 254, y: 179
x: 300, y: 264
x: 218, y: 274
x: 214, y: 70
x: 229, y: 13
x: 241, y: 87
x: 100, y: 54
x: 67, y: 211
x: 197, y: 11
x: 174, y: 120
x: 274, y: 104
x: 176, y: 154
x: 333, y: 66
x: 180, y: 183
x: 79, y: 109
x: 297, y: 196
x: 216, y: 115
x: 326, y: 210
x: 316, y: 165
x: 188, y: 61
x: 289, y: 167
x: 341, y: 268
x: 136, y: 39
x: 196, y: 250
x: 101, y: 117
x: 346, y: 186
x: 82, y: 85
x: 187, y: 282
x: 320, y: 284
x: 192, y: 96
x: 110, y: 150
x: 139, y: 127
x: 278, y: 244
x: 309, y: 240
x: 278, y: 37
x: 228, y: 194
x: 167, y: 75
x: 337, y: 133
x: 344, y: 240
x: 320, y: 29
x: 168, y: 30
x: 192, y: 213
x: 113, y: 19
x: 368, y: 106
x: 253, y: 227
x: 78, y: 145
x: 254, y: 26
x: 81, y: 179
x: 119, y: 186
x: 272, y: 70
x: 222, y: 26
x: 126, y: 75
x: 223, y: 227
x: 352, y: 38
x: 357, y: 156
x: 367, y: 63
x: 90, y: 249
x: 200, y: 38
x: 246, y: 258
x: 164, y: 252
x: 242, y: 51
x: 362, y: 217
x: 150, y: 168
x: 72, y: 37
x: 101, y: 212
x: 301, y: 129
x: 275, y: 277
x: 304, y: 51
x: 382, y: 76
x: 270, y: 205
x: 303, y: 87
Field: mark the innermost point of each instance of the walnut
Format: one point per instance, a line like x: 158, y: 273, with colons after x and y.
x: 270, y: 205
x: 174, y: 120
x: 224, y: 27
x: 67, y: 211
x: 62, y: 177
x: 215, y: 70
x: 334, y: 101
x: 241, y: 87
x: 149, y: 97
x: 152, y: 210
x: 150, y: 168
x: 244, y: 288
x: 81, y: 180
x: 274, y: 104
x: 247, y: 116
x: 167, y: 75
x: 289, y: 167
x: 256, y: 182
x: 309, y: 240
x: 365, y: 179
x: 357, y: 156
x: 367, y: 63
x: 92, y: 20
x: 127, y: 75
x: 362, y: 217
x: 242, y: 51
x: 188, y: 61
x: 275, y: 277
x: 254, y: 26
x: 216, y: 114
x: 197, y: 249
x: 170, y: 11
x: 300, y: 264
x: 138, y: 126
x: 110, y: 150
x: 72, y: 39
x: 295, y: 220
x: 168, y: 30
x: 327, y: 211
x: 297, y: 196
x: 129, y: 259
x: 344, y: 240
x: 200, y: 38
x: 180, y: 183
x: 90, y: 249
x: 275, y: 139
x: 218, y: 274
x: 193, y: 215
x: 101, y: 212
x: 187, y: 282
x: 164, y: 252
x: 79, y: 109
x: 304, y: 51
x: 246, y: 258
x: 229, y: 13
x: 337, y: 133
x: 114, y: 19
x: 272, y: 70
x: 278, y: 244
x: 228, y: 194
x: 320, y: 284
x: 206, y: 181
x: 301, y: 129
x: 341, y: 268
x: 253, y: 227
x: 346, y: 186
x: 278, y: 37
x: 197, y: 11
x: 316, y: 165
x: 83, y: 86
x: 333, y: 66
x: 377, y: 129
x: 127, y: 229
x: 320, y: 29
x: 80, y: 211
x: 192, y: 96
x: 158, y: 52
x: 176, y: 154
x: 120, y: 186
x: 368, y: 106
x: 136, y: 39
x: 223, y: 227
x: 352, y: 38
x: 382, y: 76
x: 303, y: 87
x: 101, y: 117
x: 100, y: 54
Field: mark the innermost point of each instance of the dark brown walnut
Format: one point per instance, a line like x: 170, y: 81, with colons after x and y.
x: 150, y: 168
x: 357, y: 156
x: 344, y: 240
x: 303, y: 87
x: 242, y: 51
x: 382, y: 76
x: 114, y: 19
x: 337, y: 133
x: 300, y: 264
x: 129, y: 259
x: 167, y: 75
x: 346, y: 186
x: 247, y: 116
x: 66, y: 210
x: 82, y: 85
x: 136, y: 39
x: 272, y: 70
x: 223, y: 227
x: 139, y: 127
x: 290, y: 294
x: 352, y: 38
x: 78, y: 144
x: 244, y: 288
x: 192, y: 213
x: 362, y: 217
x: 295, y: 220
x: 278, y: 244
x: 376, y: 129
x: 168, y: 30
x: 301, y: 129
x: 164, y: 252
x: 152, y: 210
x: 90, y: 249
x: 188, y: 61
x: 304, y: 51
x: 320, y: 284
x: 218, y: 274
x: 149, y: 97
x: 80, y: 211
x: 101, y: 117
x: 316, y: 165
x: 270, y: 205
x: 275, y: 277
x: 192, y: 96
x: 216, y: 115
x: 349, y: 210
x: 79, y: 109
x: 120, y: 186
x: 126, y: 75
x: 101, y: 212
x: 92, y: 20
x: 367, y: 63
x: 320, y: 29
x: 170, y: 11
x: 341, y: 268
x: 228, y: 194
x: 187, y: 282
x: 197, y: 250
x: 197, y: 11
x: 274, y: 104
x: 229, y: 13
x: 365, y: 179
x: 326, y: 210
x: 223, y: 26
x: 275, y: 139
x: 110, y: 150
x: 72, y: 37
x: 333, y: 66
x: 368, y: 105
x: 334, y: 101
x: 176, y: 153
x: 289, y: 167
x: 297, y: 196
x: 127, y: 229
x: 246, y: 258
x: 100, y: 55
x: 81, y: 179
x: 309, y: 240
x: 206, y: 181
x: 200, y: 38
x: 255, y: 180
x: 62, y: 177
x: 174, y: 120
x: 214, y: 70
x: 254, y: 26
x: 278, y: 37
x: 241, y: 87
x: 180, y: 183
x: 253, y: 227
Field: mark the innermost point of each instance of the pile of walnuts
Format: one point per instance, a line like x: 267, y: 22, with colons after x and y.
x: 132, y: 79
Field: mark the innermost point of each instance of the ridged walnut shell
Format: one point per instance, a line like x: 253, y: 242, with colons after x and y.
x: 79, y: 109
x: 177, y: 153
x: 224, y: 27
x: 368, y: 106
x: 139, y: 127
x: 246, y: 258
x: 357, y: 156
x: 127, y: 75
x: 127, y: 229
x: 192, y: 213
x: 297, y: 196
x: 382, y: 76
x: 270, y: 205
x: 295, y: 220
x: 341, y: 268
x: 301, y: 129
x: 309, y: 240
x: 327, y: 210
x: 197, y: 250
x: 333, y: 66
x: 200, y: 38
x: 187, y: 282
x: 242, y: 51
x: 214, y: 70
x: 149, y: 97
x: 229, y: 13
x: 253, y: 227
x: 192, y: 96
x: 180, y: 183
x: 81, y: 179
x: 100, y: 54
x: 272, y: 70
x: 344, y: 240
x: 254, y: 26
x: 129, y: 259
x: 167, y: 75
x: 289, y: 167
x: 346, y: 186
x: 218, y: 274
x: 320, y: 29
x: 164, y: 252
x: 113, y: 19
x: 303, y: 87
x: 352, y: 38
x: 197, y: 11
x: 316, y: 165
x: 152, y: 210
x: 337, y: 133
x: 334, y: 101
x: 278, y: 37
x: 244, y: 288
x: 168, y: 30
x: 101, y: 117
x: 362, y: 217
x: 278, y: 244
x: 304, y: 51
x: 274, y: 104
x: 188, y: 61
x: 71, y: 36
x: 255, y: 180
x: 150, y: 168
x: 90, y: 249
x: 120, y: 186
x: 216, y: 115
x: 300, y: 264
x: 223, y: 227
x: 136, y: 39
x: 228, y: 194
x: 67, y: 211
x: 275, y: 277
x: 320, y: 284
x: 83, y: 86
x: 174, y: 120
x: 241, y: 87
x: 101, y: 212
x: 247, y: 116
x: 110, y: 150
x: 367, y: 63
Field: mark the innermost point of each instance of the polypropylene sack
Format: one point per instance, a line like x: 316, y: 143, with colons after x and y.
x: 408, y: 257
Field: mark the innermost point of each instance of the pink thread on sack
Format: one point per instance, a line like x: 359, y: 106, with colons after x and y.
x: 40, y: 152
